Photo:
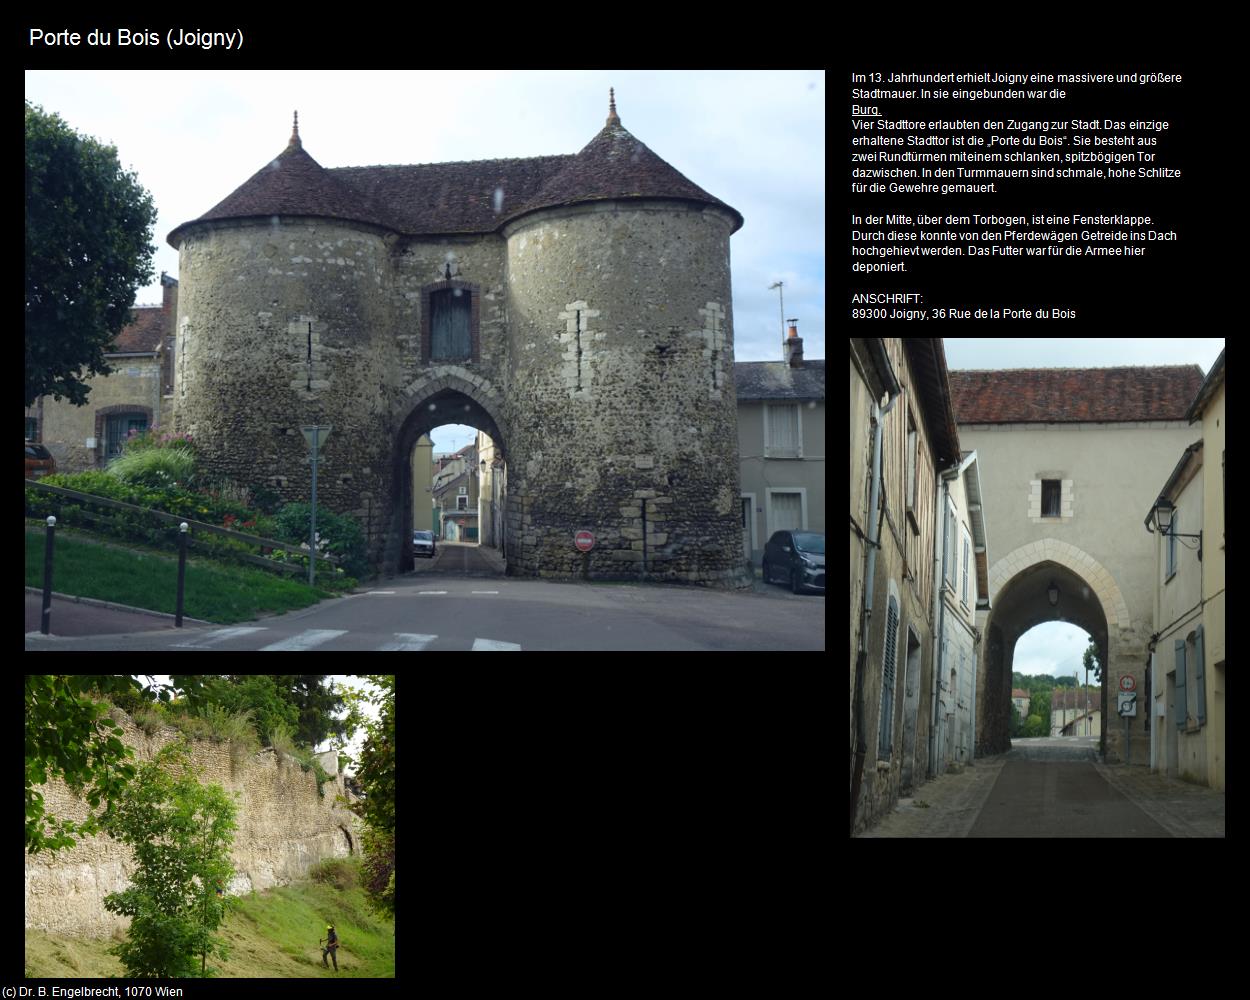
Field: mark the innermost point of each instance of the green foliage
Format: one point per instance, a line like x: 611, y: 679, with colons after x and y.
x: 181, y: 832
x: 1033, y: 726
x: 155, y: 467
x: 338, y: 872
x: 236, y: 728
x: 88, y: 250
x: 68, y: 736
x: 337, y: 534
x: 258, y: 693
x: 282, y: 739
x: 377, y: 777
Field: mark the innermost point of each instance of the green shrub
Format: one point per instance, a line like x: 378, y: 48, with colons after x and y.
x: 155, y: 467
x: 337, y: 534
x: 338, y: 872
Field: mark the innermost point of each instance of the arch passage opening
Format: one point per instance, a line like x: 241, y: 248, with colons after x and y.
x: 351, y: 848
x: 451, y: 473
x: 1044, y: 592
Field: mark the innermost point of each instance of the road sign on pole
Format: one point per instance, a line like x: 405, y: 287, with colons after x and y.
x: 315, y: 436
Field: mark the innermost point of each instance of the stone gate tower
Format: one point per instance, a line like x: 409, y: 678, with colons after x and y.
x: 577, y: 308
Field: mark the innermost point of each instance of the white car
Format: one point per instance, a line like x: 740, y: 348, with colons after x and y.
x: 423, y: 543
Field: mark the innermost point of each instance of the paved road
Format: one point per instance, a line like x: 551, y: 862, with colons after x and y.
x: 1057, y: 797
x: 442, y: 612
x: 1053, y: 787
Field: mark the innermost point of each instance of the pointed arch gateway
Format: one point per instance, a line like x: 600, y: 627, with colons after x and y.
x: 1045, y: 580
x: 446, y: 395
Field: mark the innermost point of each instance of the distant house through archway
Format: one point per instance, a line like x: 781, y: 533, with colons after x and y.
x: 1045, y: 581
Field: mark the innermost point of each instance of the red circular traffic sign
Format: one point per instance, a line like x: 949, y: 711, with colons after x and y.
x: 584, y: 541
x: 1128, y: 683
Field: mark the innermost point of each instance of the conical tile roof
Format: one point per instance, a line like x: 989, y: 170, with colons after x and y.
x: 293, y: 183
x: 615, y: 165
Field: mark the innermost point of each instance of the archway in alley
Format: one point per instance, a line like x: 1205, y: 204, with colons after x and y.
x: 1066, y: 706
x: 1044, y: 581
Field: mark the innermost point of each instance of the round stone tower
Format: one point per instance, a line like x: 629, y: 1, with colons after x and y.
x: 283, y: 322
x: 622, y: 405
x: 576, y: 308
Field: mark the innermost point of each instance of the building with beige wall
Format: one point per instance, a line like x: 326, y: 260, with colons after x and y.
x: 1070, y: 457
x: 1187, y: 682
x: 137, y: 396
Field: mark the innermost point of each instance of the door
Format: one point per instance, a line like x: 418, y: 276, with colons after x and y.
x: 911, y: 708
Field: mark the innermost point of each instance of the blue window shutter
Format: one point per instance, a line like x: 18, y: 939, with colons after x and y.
x: 1200, y: 679
x: 885, y: 741
x: 1180, y: 683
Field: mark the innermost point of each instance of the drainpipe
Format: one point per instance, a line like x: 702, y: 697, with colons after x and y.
x: 939, y: 563
x: 874, y: 532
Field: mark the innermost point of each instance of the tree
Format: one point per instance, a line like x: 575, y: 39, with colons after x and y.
x: 88, y: 250
x: 68, y: 736
x: 181, y: 832
x: 377, y: 778
x: 1091, y: 661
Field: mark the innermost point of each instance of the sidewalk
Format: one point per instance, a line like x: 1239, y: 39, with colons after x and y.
x: 1184, y: 810
x: 946, y: 806
x: 79, y: 616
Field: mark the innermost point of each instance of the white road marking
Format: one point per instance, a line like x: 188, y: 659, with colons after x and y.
x: 485, y: 592
x: 306, y: 639
x: 221, y: 635
x: 431, y: 591
x: 493, y: 645
x: 407, y: 641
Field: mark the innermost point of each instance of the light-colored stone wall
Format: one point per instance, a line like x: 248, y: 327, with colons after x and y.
x: 284, y: 828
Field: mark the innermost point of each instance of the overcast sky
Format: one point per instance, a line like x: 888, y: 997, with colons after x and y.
x: 754, y: 139
x: 1089, y: 352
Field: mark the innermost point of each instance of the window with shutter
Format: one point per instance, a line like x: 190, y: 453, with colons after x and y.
x: 885, y: 741
x: 1180, y: 684
x: 450, y: 314
x: 1200, y: 679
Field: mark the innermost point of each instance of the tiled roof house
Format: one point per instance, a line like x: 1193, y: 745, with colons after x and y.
x: 1074, y: 395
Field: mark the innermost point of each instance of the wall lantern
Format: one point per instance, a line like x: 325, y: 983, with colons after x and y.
x: 1162, y: 514
x: 1052, y: 592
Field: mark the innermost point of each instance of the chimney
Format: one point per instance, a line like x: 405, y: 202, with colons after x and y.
x: 792, y: 348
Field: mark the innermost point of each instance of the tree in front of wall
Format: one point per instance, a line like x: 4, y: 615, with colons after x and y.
x: 181, y: 832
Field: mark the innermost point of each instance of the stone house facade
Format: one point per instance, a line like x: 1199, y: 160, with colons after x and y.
x: 137, y: 396
x: 902, y: 433
x: 1186, y: 687
x: 959, y: 565
x: 575, y: 308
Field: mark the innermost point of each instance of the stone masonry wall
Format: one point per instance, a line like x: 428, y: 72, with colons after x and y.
x: 622, y: 405
x: 284, y: 828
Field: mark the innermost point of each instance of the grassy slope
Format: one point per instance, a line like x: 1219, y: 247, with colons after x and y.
x: 273, y: 934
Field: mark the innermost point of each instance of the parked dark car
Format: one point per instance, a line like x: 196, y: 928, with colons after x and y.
x: 423, y: 543
x: 39, y: 461
x: 796, y: 558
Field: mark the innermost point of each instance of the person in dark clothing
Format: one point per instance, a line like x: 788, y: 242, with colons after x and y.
x: 331, y: 948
